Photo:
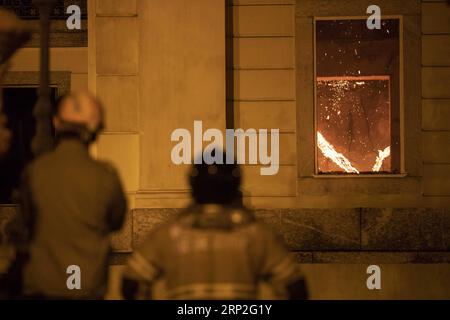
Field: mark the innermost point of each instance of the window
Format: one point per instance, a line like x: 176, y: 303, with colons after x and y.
x: 357, y: 97
x: 19, y: 104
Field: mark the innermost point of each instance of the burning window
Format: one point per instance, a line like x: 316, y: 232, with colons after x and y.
x: 357, y: 97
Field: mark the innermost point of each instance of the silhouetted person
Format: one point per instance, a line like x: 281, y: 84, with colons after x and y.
x: 71, y: 204
x: 215, y: 249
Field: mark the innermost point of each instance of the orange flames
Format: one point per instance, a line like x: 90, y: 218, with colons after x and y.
x: 339, y: 159
x: 380, y: 158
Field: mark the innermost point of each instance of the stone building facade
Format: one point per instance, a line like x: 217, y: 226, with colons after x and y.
x: 159, y: 65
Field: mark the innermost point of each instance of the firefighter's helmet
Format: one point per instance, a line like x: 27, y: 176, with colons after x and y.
x: 80, y: 114
x: 216, y: 183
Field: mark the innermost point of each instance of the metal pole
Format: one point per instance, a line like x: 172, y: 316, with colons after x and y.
x: 43, y: 140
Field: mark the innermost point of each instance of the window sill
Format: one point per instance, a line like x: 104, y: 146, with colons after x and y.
x: 346, y: 176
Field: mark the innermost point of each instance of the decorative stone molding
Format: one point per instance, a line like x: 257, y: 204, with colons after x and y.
x: 59, y: 35
x: 59, y: 79
x: 26, y: 10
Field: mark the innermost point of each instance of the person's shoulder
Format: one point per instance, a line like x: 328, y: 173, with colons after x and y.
x: 105, y: 167
x: 160, y: 234
x: 39, y: 163
x: 105, y: 172
x: 242, y: 216
x: 238, y: 215
x: 259, y: 230
x: 265, y: 229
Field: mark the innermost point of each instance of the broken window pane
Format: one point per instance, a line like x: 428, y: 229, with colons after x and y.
x: 357, y: 97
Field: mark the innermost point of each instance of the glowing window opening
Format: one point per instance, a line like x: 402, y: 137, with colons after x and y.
x: 338, y: 85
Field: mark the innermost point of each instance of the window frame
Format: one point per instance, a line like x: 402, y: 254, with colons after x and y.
x: 359, y: 190
x: 403, y: 172
x: 59, y: 80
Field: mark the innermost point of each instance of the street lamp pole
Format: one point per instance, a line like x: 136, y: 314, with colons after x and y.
x: 43, y: 140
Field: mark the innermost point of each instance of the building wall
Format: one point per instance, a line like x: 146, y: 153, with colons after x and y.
x: 323, y: 220
x: 113, y: 75
x: 68, y: 59
x: 267, y: 55
x: 267, y: 93
x: 158, y: 66
x: 263, y: 42
x: 153, y: 82
x: 436, y: 101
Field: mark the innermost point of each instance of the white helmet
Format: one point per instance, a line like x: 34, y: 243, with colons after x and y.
x: 79, y: 113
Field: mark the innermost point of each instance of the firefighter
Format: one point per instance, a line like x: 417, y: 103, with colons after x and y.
x: 215, y: 249
x: 71, y: 204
